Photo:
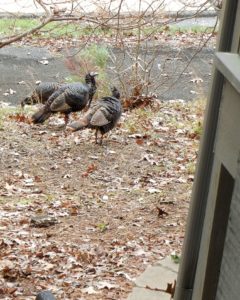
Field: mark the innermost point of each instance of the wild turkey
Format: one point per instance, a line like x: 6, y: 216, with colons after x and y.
x: 41, y: 93
x: 68, y: 98
x: 45, y: 295
x: 102, y: 116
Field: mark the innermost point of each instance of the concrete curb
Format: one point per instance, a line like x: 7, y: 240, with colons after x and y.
x: 153, y: 279
x: 172, y: 14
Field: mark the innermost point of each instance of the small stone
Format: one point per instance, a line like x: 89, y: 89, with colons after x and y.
x: 43, y: 221
x: 105, y: 198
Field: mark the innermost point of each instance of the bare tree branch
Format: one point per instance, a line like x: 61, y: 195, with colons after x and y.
x: 141, y: 25
x: 11, y: 40
x: 44, y: 6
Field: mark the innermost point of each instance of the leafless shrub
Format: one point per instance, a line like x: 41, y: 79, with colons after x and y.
x: 134, y: 29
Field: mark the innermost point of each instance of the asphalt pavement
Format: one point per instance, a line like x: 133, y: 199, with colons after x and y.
x: 168, y: 6
x: 21, y: 67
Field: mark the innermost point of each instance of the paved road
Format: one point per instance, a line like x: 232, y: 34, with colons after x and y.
x: 23, y: 64
x: 28, y: 6
x: 19, y: 64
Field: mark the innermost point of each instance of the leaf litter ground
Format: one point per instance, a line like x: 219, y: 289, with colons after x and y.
x: 84, y: 220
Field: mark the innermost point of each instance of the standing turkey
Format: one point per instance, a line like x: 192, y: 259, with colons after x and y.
x: 102, y: 116
x: 68, y: 98
x: 41, y: 93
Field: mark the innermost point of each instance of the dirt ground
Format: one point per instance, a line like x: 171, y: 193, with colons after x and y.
x: 84, y: 220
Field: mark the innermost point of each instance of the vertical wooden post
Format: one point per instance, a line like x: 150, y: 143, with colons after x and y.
x: 187, y: 270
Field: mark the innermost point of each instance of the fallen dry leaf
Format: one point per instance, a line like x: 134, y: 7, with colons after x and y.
x: 91, y: 168
x: 161, y: 212
x: 20, y: 118
x: 89, y: 189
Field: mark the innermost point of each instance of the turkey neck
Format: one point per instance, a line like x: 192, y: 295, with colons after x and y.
x: 91, y: 82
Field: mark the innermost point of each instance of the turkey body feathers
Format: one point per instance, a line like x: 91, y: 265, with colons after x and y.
x: 66, y: 99
x: 41, y: 93
x: 74, y: 97
x: 106, y: 114
x: 102, y: 116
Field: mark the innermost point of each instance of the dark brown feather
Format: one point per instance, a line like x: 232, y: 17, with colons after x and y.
x: 68, y: 98
x: 102, y: 116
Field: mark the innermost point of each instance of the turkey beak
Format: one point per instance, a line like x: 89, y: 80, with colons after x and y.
x: 112, y: 88
x: 93, y: 74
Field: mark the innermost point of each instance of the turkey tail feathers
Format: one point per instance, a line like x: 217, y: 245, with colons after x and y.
x: 77, y: 125
x: 99, y: 119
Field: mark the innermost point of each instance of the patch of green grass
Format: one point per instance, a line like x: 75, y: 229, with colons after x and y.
x: 97, y: 54
x: 142, y: 118
x: 3, y: 200
x: 5, y: 112
x: 15, y: 200
x: 14, y: 26
x: 198, y: 106
x: 144, y: 113
x: 102, y: 226
x: 91, y: 58
x: 24, y: 201
x: 175, y: 258
x: 190, y: 167
x: 131, y: 126
x: 73, y: 78
x: 11, y: 26
x: 174, y: 29
x: 9, y: 110
x: 197, y: 129
x: 67, y: 29
x: 50, y: 198
x: 56, y: 29
x: 171, y: 29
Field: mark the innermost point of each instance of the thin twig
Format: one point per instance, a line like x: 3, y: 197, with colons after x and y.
x: 11, y: 40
